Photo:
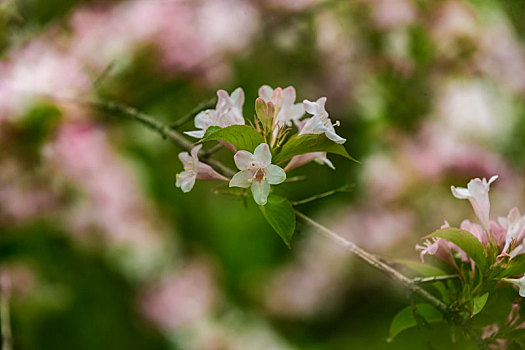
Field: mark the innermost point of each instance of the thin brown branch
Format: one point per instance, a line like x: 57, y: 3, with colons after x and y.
x: 164, y: 130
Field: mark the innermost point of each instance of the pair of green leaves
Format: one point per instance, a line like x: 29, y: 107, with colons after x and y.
x: 244, y: 137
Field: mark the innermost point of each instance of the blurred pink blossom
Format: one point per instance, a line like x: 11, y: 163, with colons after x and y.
x: 39, y: 70
x: 388, y: 14
x: 182, y: 298
x: 111, y: 200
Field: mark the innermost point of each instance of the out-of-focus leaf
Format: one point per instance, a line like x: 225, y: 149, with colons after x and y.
x: 299, y: 144
x: 243, y: 137
x: 424, y: 270
x: 466, y: 241
x: 279, y: 213
x: 406, y: 319
x: 479, y: 302
x: 515, y: 267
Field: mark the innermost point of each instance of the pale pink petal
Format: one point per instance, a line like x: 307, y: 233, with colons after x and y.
x: 244, y: 160
x: 276, y: 174
x: 262, y: 154
x: 241, y: 179
x: 260, y: 192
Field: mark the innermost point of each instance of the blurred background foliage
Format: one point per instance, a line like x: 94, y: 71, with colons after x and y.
x: 103, y: 252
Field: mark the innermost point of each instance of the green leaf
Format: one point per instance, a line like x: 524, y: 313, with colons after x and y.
x: 279, y: 213
x: 466, y: 241
x: 478, y: 303
x: 516, y: 266
x: 299, y: 144
x: 406, y: 319
x: 243, y: 137
x: 424, y: 270
x: 210, y: 130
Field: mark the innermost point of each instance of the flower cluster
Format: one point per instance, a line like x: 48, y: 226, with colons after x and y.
x: 502, y: 241
x: 276, y: 116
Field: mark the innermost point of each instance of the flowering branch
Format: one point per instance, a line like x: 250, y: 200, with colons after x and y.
x: 412, y: 284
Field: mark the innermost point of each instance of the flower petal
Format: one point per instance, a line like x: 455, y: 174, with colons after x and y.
x: 331, y: 135
x: 460, y: 192
x: 237, y: 97
x: 262, y: 154
x: 185, y: 159
x: 186, y: 181
x: 205, y: 119
x: 196, y: 150
x: 199, y: 134
x: 244, y: 160
x: 241, y: 179
x: 310, y: 107
x: 265, y: 92
x: 260, y: 192
x: 276, y: 174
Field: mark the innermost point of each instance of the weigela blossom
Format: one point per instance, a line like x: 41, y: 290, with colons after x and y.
x: 194, y: 169
x: 228, y: 111
x: 514, y: 223
x: 477, y: 192
x: 284, y: 101
x: 320, y: 122
x: 257, y: 172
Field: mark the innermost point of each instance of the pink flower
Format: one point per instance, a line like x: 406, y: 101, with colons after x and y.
x: 227, y: 112
x: 477, y: 192
x: 195, y: 169
x: 514, y: 223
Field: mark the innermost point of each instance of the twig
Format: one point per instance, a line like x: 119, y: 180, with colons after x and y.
x: 420, y: 280
x: 212, y: 150
x: 164, y: 130
x: 202, y: 106
x: 5, y: 321
x: 345, y: 188
x: 376, y: 262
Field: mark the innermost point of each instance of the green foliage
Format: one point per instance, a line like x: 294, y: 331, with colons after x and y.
x: 466, y: 241
x: 412, y: 316
x: 515, y: 266
x: 243, y: 137
x: 300, y: 144
x: 479, y: 302
x: 279, y: 213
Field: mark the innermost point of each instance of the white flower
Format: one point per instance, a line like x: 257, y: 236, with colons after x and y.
x: 477, y: 192
x: 194, y: 169
x: 284, y: 102
x: 518, y: 282
x: 228, y: 111
x: 257, y: 172
x: 514, y: 223
x: 320, y: 122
